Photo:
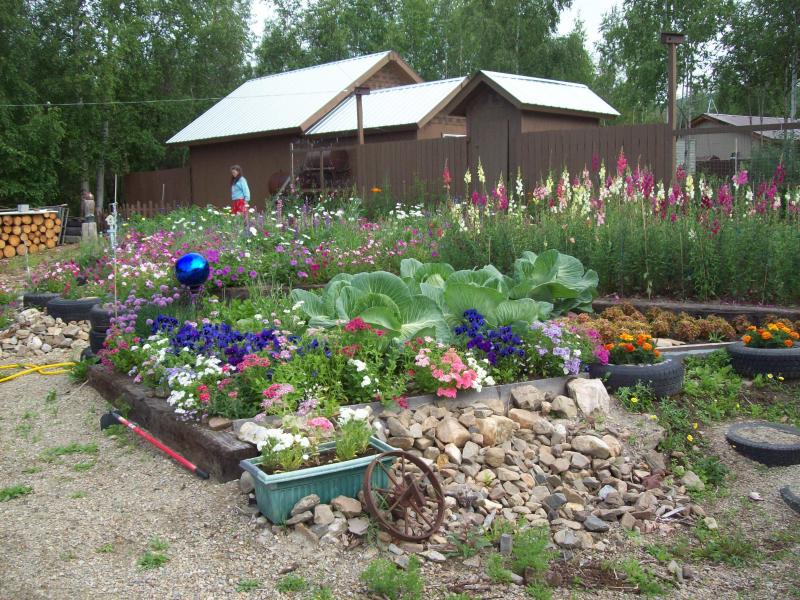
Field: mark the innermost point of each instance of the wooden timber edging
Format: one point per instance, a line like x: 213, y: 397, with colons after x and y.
x: 219, y: 452
x: 753, y: 312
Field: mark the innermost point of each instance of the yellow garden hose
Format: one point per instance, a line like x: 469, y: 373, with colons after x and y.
x: 53, y: 369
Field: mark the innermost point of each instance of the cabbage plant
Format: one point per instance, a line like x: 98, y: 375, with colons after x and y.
x: 431, y: 298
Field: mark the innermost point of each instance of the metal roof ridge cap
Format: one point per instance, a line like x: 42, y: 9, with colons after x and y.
x: 536, y: 79
x: 333, y: 62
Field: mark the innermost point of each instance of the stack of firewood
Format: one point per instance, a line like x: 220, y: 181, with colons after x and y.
x: 29, y: 233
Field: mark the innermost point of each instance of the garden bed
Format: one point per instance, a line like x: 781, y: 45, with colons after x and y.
x: 219, y: 452
x: 755, y: 313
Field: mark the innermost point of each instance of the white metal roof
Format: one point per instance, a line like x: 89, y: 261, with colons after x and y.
x: 389, y: 107
x: 550, y: 93
x: 740, y: 120
x: 277, y: 102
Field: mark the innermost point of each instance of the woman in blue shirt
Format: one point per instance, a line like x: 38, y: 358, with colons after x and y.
x: 240, y: 192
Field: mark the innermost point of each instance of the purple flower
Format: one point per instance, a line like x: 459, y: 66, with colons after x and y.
x: 302, y: 274
x: 279, y: 248
x: 253, y: 274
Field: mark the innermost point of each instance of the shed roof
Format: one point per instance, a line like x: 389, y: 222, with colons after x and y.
x: 402, y: 106
x: 742, y: 120
x: 284, y: 102
x: 534, y: 93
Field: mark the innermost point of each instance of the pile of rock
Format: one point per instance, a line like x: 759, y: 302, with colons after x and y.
x: 545, y: 459
x: 36, y: 334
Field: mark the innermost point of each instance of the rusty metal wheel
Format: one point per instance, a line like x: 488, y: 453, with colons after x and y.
x: 404, y: 496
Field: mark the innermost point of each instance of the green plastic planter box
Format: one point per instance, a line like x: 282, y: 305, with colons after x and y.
x: 277, y: 494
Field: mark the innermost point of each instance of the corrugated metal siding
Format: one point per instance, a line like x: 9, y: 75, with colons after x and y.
x: 277, y: 102
x: 390, y: 107
x: 550, y: 93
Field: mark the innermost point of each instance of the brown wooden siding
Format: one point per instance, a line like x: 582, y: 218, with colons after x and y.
x: 439, y: 126
x: 535, y: 121
x: 150, y: 192
x: 260, y: 158
x: 390, y: 75
x: 493, y: 127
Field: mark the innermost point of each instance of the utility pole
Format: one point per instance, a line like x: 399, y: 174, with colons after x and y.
x: 672, y: 40
x: 360, y: 91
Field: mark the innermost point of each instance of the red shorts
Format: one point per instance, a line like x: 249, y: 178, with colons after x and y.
x: 238, y: 207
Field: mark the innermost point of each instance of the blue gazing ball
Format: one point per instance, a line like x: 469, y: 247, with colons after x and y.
x: 192, y: 269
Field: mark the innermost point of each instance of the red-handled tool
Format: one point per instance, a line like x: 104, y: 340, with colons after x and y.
x: 113, y: 418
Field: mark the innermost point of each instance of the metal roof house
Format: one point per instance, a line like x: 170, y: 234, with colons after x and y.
x: 734, y: 145
x: 256, y: 123
x: 500, y: 107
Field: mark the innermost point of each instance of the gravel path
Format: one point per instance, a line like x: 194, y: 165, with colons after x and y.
x: 91, y: 516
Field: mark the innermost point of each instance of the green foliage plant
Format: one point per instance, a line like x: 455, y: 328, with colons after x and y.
x: 383, y: 578
x: 291, y: 583
x: 353, y: 434
x: 14, y: 491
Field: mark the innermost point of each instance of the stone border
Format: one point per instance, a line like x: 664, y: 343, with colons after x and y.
x: 488, y: 395
x: 219, y: 452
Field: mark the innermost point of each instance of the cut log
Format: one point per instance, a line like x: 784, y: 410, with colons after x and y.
x: 51, y: 243
x: 13, y: 240
x: 26, y: 219
x: 21, y: 249
x: 9, y: 251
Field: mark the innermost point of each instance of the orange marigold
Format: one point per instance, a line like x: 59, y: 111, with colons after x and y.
x: 630, y: 347
x: 647, y: 346
x: 609, y: 346
x: 746, y: 339
x: 788, y: 343
x: 657, y: 353
x: 794, y: 335
x: 766, y: 335
x: 752, y: 328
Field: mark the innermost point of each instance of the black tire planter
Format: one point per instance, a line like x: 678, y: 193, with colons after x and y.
x: 750, y: 362
x: 96, y: 340
x: 665, y: 378
x: 71, y: 310
x: 772, y: 454
x: 38, y: 300
x: 791, y: 498
x: 100, y: 318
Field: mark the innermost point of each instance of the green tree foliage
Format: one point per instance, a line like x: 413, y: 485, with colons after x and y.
x: 633, y: 61
x: 761, y: 59
x: 441, y: 38
x: 103, y: 58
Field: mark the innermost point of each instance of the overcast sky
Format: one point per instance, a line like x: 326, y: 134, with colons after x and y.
x: 589, y: 11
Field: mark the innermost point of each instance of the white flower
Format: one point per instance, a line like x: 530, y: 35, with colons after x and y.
x: 366, y: 381
x: 360, y: 365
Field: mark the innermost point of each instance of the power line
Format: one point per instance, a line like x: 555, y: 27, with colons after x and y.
x: 166, y: 100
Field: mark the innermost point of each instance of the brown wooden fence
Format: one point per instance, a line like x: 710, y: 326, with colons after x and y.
x: 413, y: 169
x: 148, y: 193
x: 410, y: 169
x: 551, y: 151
